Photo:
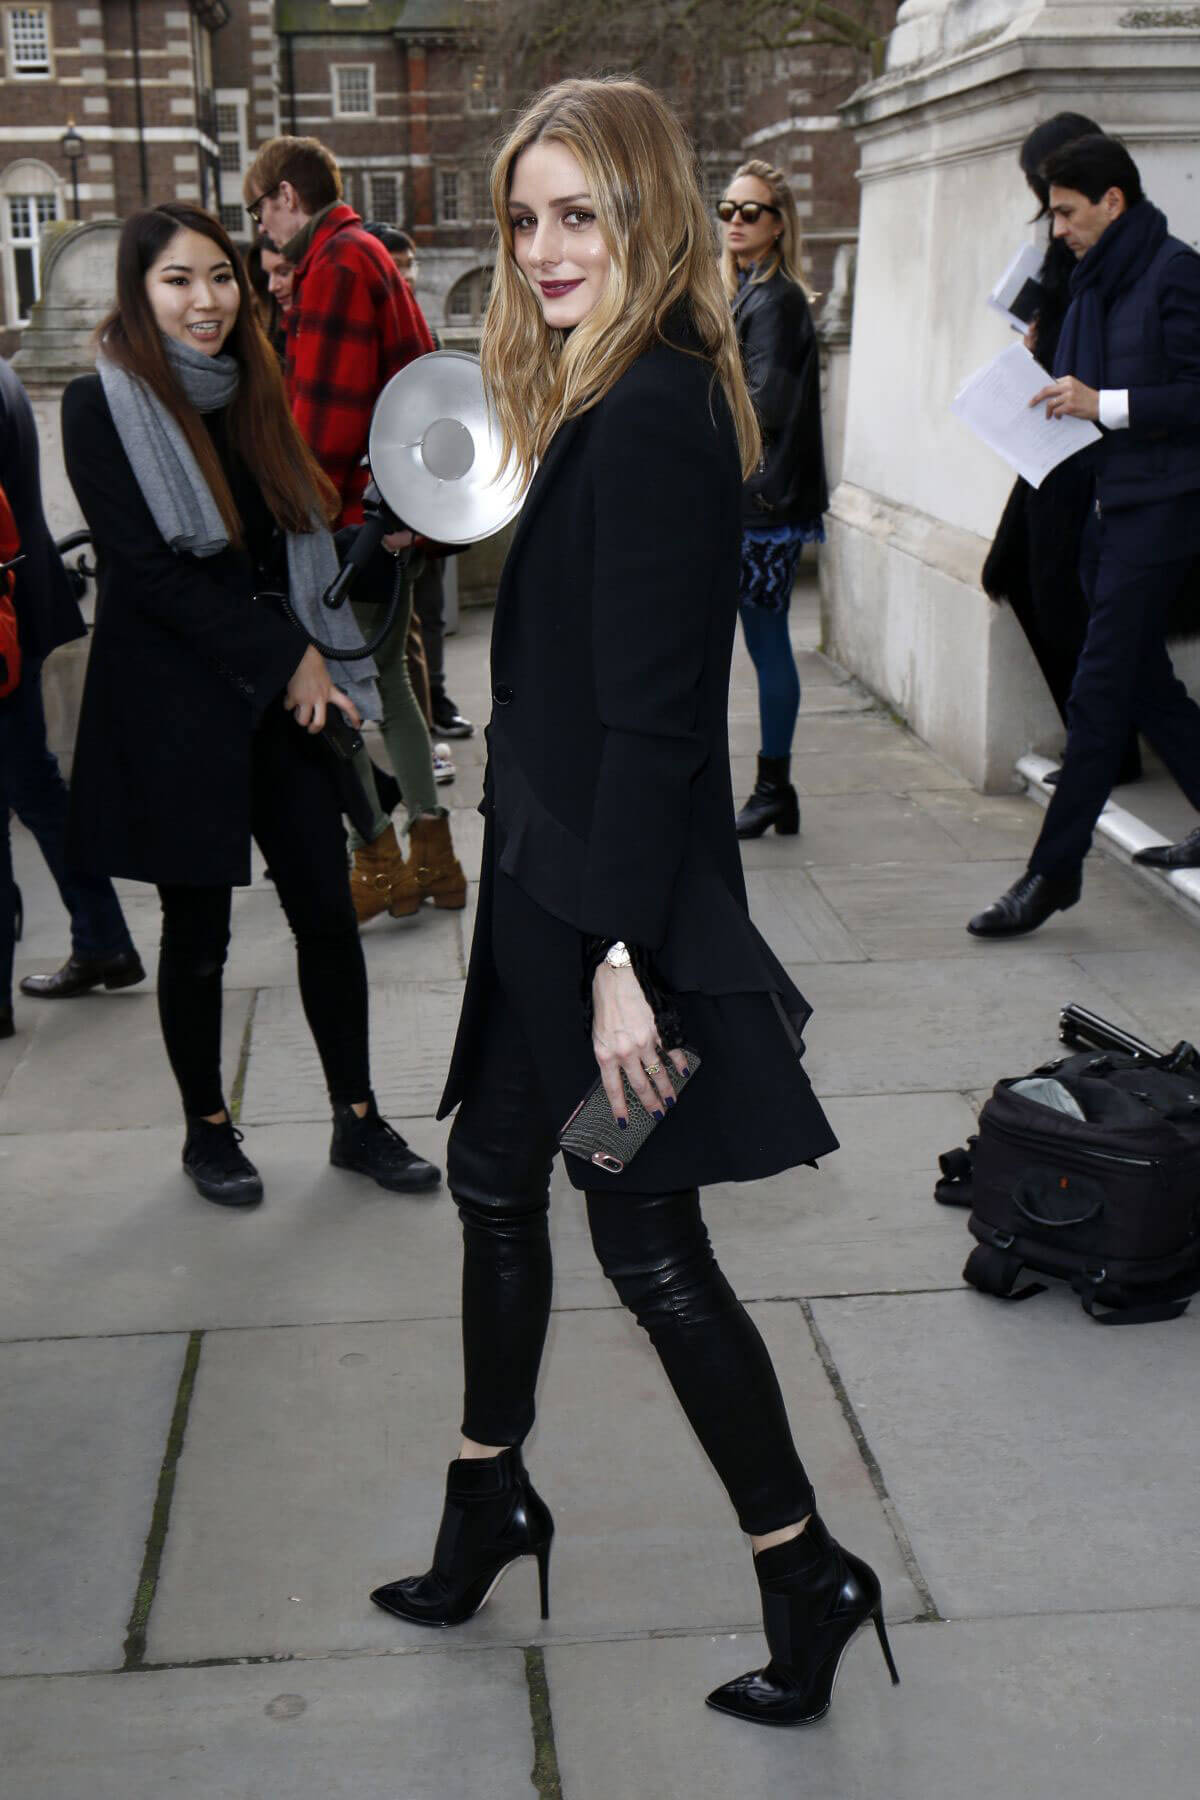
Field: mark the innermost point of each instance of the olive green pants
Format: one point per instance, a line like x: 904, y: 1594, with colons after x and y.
x: 403, y: 724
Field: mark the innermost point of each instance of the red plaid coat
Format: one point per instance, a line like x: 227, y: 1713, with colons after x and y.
x: 353, y: 323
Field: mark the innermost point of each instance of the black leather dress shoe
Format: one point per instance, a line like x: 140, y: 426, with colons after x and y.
x: 216, y: 1163
x: 1027, y: 904
x: 447, y: 720
x: 79, y: 974
x: 370, y: 1146
x: 1184, y: 855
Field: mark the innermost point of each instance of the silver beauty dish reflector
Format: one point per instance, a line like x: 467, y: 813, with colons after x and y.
x: 435, y: 453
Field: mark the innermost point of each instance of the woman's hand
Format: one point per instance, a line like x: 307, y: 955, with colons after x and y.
x: 625, y: 1037
x: 310, y: 692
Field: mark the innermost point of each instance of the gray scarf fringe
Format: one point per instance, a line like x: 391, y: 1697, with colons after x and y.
x: 186, y: 513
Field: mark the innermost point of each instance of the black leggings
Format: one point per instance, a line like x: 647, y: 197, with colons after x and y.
x: 655, y: 1250
x: 296, y: 818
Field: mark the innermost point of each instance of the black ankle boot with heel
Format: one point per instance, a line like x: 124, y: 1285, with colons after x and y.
x: 815, y: 1598
x: 491, y: 1519
x: 773, y: 801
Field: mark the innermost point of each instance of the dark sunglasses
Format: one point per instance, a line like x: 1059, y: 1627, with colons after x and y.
x: 255, y: 207
x: 751, y: 210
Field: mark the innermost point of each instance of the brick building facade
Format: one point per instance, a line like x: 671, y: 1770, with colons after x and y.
x: 160, y: 98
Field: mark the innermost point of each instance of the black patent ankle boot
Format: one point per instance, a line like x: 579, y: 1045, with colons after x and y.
x: 815, y: 1597
x: 773, y: 801
x: 491, y: 1519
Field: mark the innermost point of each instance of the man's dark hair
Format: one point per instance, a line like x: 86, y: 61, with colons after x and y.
x: 1044, y: 140
x: 1092, y: 165
x: 394, y: 241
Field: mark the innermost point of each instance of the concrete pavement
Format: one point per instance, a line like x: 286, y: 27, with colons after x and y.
x: 221, y: 1431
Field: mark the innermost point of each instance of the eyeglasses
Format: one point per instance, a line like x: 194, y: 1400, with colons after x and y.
x: 750, y: 210
x: 256, y: 206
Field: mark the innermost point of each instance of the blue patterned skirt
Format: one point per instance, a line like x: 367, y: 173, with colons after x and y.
x: 769, y: 559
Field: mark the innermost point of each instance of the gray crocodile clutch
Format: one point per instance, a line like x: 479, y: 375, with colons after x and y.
x: 592, y: 1133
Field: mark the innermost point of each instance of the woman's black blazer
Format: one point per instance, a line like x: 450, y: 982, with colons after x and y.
x: 783, y: 367
x: 182, y: 666
x: 608, y: 798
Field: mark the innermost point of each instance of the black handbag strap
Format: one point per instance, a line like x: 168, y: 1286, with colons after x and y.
x: 1153, y: 1312
x: 957, y: 1166
x: 995, y: 1271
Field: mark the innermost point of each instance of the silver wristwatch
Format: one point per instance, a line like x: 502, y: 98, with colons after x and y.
x: 618, y: 957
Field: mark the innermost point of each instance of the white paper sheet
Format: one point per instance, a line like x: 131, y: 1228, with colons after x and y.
x: 1017, y: 294
x: 994, y: 403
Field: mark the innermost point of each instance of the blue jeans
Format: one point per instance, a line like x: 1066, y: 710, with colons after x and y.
x: 31, y: 786
x: 770, y: 648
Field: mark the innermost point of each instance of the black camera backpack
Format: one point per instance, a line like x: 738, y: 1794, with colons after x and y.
x: 1109, y: 1202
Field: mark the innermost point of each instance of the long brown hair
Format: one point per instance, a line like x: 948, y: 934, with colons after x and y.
x: 641, y: 174
x: 261, y: 426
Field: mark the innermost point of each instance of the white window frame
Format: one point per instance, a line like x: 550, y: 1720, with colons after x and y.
x: 455, y: 218
x: 12, y: 69
x: 485, y: 99
x: 370, y: 177
x: 33, y: 243
x: 336, y: 70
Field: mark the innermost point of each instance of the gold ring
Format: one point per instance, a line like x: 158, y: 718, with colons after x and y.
x: 653, y: 1068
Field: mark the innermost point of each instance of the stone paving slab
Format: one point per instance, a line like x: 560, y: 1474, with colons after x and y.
x: 1089, y: 1708
x: 866, y: 1221
x: 102, y: 1232
x: 836, y: 828
x: 1161, y: 987
x: 315, y: 1459
x: 1040, y: 1463
x: 898, y: 911
x: 388, y: 1728
x: 985, y: 826
x: 98, y: 1063
x: 84, y: 1426
x: 939, y: 1025
x: 412, y: 1033
x: 906, y: 765
x: 796, y: 920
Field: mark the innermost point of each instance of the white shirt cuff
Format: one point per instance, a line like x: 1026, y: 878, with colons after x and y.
x: 1114, y: 408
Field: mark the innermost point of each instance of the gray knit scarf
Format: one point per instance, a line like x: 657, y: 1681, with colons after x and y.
x: 186, y: 513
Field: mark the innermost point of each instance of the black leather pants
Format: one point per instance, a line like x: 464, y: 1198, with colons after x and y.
x: 655, y: 1250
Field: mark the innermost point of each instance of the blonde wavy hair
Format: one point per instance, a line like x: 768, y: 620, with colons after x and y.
x: 642, y: 178
x: 787, y: 257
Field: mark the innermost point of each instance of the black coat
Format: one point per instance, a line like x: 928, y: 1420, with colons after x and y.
x: 608, y: 797
x: 47, y: 611
x: 183, y: 664
x: 783, y: 368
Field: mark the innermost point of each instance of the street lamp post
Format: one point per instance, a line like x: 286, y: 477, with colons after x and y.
x: 72, y: 147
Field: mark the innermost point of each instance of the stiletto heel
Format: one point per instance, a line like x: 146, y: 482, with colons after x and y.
x: 881, y: 1634
x: 492, y: 1518
x: 816, y: 1597
x: 543, y: 1563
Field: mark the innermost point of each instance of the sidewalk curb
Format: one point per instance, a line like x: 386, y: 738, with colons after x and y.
x: 1122, y: 833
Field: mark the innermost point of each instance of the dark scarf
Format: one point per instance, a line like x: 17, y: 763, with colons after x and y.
x: 1113, y: 263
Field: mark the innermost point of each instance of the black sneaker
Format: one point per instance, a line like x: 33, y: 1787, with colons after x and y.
x: 219, y: 1169
x: 447, y: 720
x: 370, y: 1146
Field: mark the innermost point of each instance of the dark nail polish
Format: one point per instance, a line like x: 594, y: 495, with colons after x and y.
x: 670, y: 1099
x: 623, y: 1123
x: 684, y: 1073
x: 659, y: 1114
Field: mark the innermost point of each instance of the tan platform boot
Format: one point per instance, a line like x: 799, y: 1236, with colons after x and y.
x: 377, y: 870
x: 432, y: 871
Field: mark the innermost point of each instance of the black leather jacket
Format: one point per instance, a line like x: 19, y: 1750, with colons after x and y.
x: 782, y: 361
